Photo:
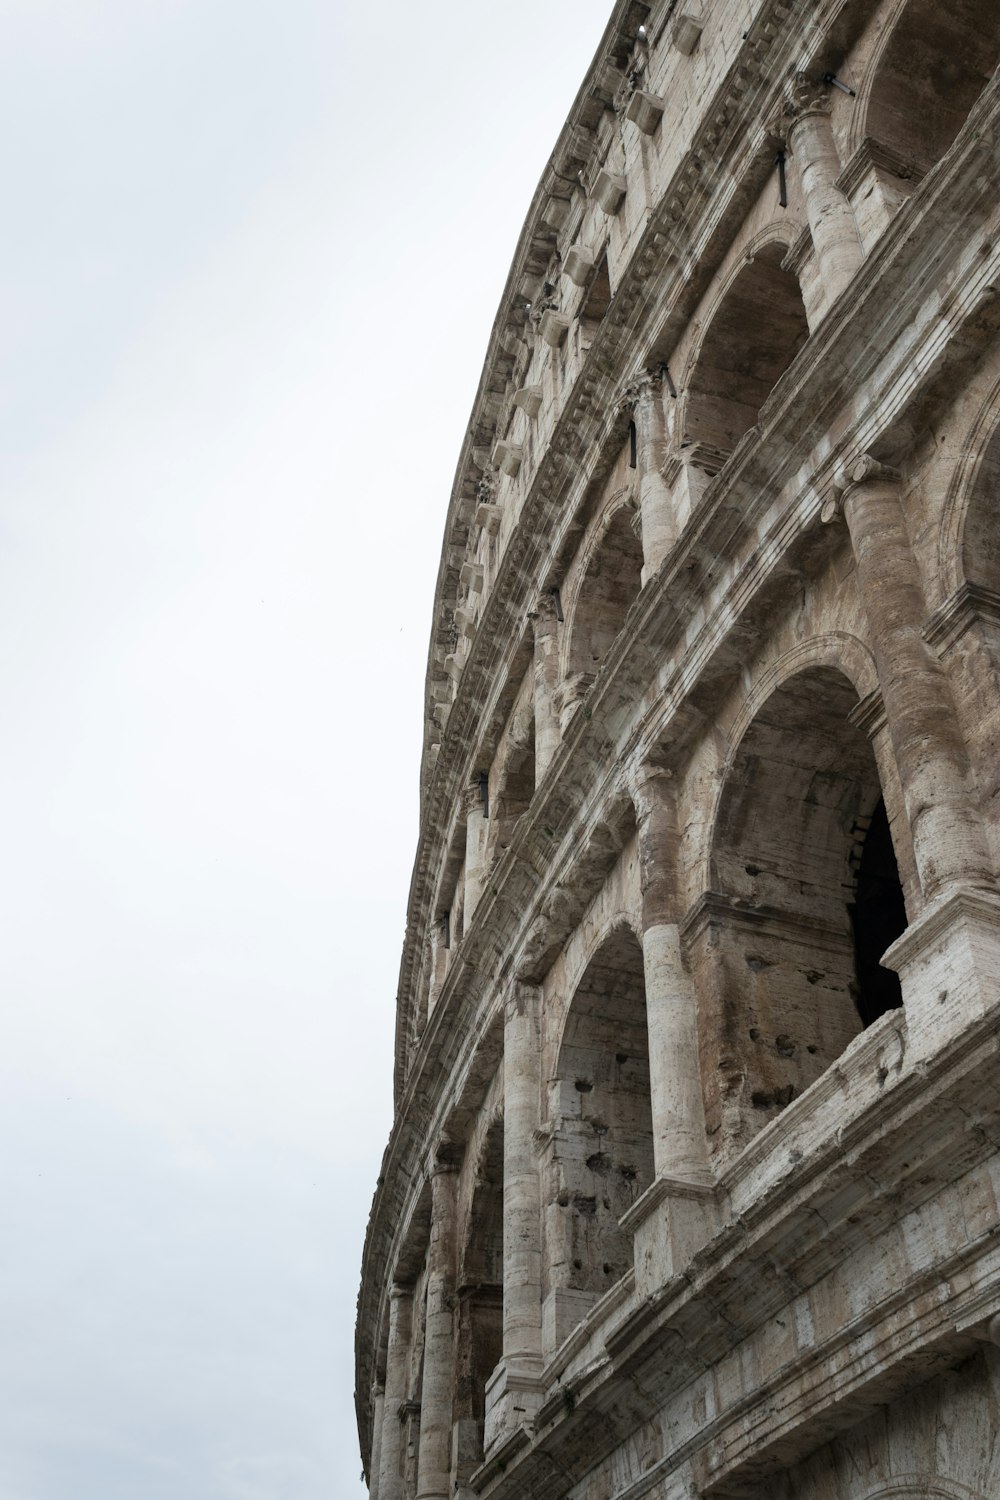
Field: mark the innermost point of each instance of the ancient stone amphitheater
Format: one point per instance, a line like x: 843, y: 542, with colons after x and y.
x: 692, y: 1187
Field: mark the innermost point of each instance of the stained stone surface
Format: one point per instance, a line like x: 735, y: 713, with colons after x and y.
x: 692, y: 1189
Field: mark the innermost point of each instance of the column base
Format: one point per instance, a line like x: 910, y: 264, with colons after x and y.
x: 669, y: 1224
x: 948, y: 962
x: 513, y: 1396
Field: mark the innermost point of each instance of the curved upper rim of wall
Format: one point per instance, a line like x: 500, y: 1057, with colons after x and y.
x: 536, y: 243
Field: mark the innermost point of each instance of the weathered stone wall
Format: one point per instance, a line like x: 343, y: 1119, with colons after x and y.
x: 693, y: 1184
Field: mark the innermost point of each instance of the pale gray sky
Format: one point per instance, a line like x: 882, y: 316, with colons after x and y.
x: 251, y: 257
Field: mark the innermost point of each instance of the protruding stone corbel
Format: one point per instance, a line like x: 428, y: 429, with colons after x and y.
x: 645, y: 111
x: 488, y: 517
x: 553, y: 327
x: 686, y: 33
x: 471, y: 575
x: 609, y: 190
x: 529, y: 399
x: 579, y: 264
x: 508, y: 458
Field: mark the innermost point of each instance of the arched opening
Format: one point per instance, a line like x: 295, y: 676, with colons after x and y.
x: 603, y: 1146
x: 933, y: 69
x: 512, y: 785
x: 611, y: 583
x: 480, y: 1304
x: 753, y: 337
x: 806, y: 900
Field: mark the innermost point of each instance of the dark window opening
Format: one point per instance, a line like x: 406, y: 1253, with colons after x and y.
x: 878, y: 918
x: 632, y: 446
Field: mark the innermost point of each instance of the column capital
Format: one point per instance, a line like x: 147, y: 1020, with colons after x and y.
x: 472, y: 797
x: 647, y: 784
x: 804, y: 96
x: 642, y: 388
x: 544, y: 613
x: 864, y: 469
x: 444, y: 1157
x: 522, y: 995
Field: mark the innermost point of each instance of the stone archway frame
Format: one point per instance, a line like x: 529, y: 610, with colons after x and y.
x: 858, y: 128
x: 923, y: 1487
x: 962, y: 491
x: 607, y: 929
x: 837, y: 650
x: 777, y: 232
x: 625, y: 497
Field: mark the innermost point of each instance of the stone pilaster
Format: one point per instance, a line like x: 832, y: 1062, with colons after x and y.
x: 434, y: 1456
x: 437, y: 963
x: 545, y: 628
x: 948, y: 960
x: 949, y: 844
x: 475, y: 847
x: 515, y: 1391
x: 679, y: 1149
x: 656, y: 510
x: 390, y: 1473
x: 378, y: 1417
x: 831, y: 219
x: 678, y: 1213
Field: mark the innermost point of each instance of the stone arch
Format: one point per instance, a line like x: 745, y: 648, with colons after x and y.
x: 479, y: 1344
x: 967, y: 628
x: 925, y: 76
x: 608, y: 581
x: 803, y: 898
x: 602, y: 1144
x: 923, y: 1487
x: 976, y: 474
x: 514, y: 783
x: 751, y: 336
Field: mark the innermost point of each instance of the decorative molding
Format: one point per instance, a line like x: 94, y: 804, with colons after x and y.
x: 967, y: 606
x: 868, y: 715
x: 872, y: 156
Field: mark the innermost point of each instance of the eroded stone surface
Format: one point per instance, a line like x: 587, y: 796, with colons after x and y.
x: 687, y: 1194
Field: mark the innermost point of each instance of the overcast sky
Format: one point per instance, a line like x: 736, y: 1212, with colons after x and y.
x: 251, y: 256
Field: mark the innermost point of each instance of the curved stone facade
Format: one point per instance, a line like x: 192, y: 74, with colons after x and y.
x: 692, y: 1185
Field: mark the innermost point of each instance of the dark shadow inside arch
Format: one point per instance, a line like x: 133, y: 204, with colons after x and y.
x: 752, y: 339
x: 806, y: 900
x: 878, y: 918
x: 480, y: 1305
x: 605, y: 1145
x: 610, y: 585
x: 938, y: 61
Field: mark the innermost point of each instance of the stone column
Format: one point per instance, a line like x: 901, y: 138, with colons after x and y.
x: 434, y: 1455
x: 390, y: 1475
x: 679, y: 1146
x: 378, y: 1417
x: 948, y: 959
x: 522, y: 1230
x: 545, y: 628
x: 514, y: 1392
x: 475, y: 847
x: 656, y: 510
x: 437, y: 963
x: 677, y: 1215
x: 949, y: 843
x: 831, y: 219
